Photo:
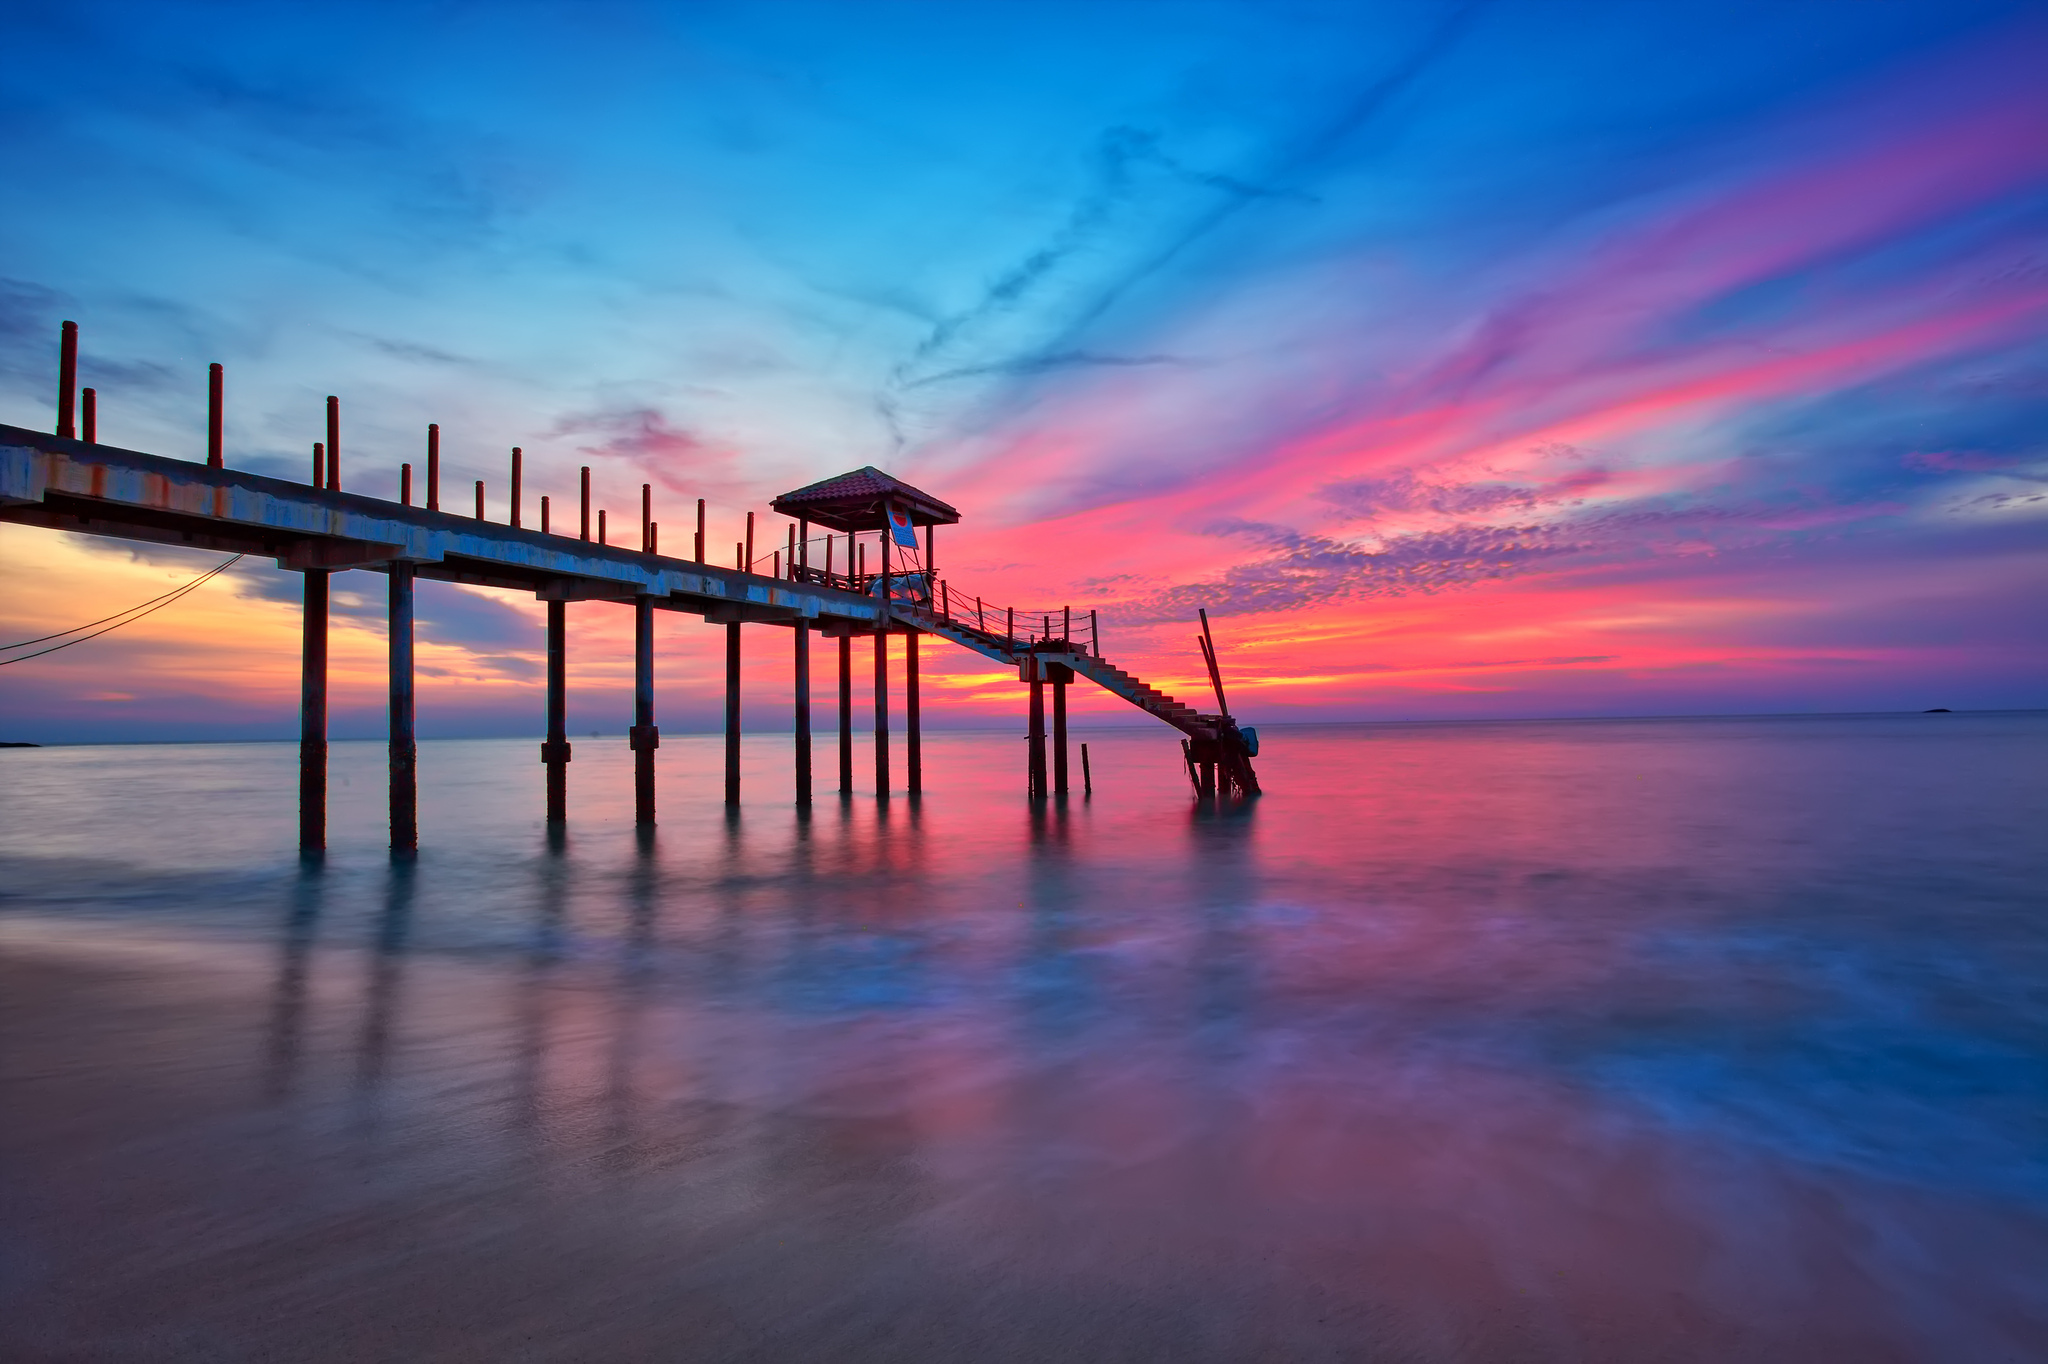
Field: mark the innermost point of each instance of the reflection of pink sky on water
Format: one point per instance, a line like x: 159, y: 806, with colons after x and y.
x: 1630, y: 1040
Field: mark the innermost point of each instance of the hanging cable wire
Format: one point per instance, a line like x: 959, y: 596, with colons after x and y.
x: 120, y: 618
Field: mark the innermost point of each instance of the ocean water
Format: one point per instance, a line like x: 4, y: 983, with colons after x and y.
x: 1705, y: 1039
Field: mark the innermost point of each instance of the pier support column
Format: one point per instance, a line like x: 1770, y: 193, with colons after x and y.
x: 882, y: 710
x: 645, y: 737
x: 405, y: 793
x: 803, y: 712
x: 313, y: 717
x: 1060, y: 677
x: 732, y: 713
x: 555, y: 751
x: 846, y: 713
x: 1035, y: 738
x: 913, y: 722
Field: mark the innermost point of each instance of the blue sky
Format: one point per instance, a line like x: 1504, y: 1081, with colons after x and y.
x: 1376, y: 323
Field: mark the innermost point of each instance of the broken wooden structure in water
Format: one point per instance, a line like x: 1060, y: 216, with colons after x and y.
x: 68, y: 481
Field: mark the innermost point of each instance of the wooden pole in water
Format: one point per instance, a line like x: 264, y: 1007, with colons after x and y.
x: 732, y: 713
x: 67, y: 379
x: 1035, y: 736
x: 555, y: 751
x: 913, y: 723
x: 333, y: 443
x: 882, y: 668
x: 215, y: 423
x: 1059, y: 730
x: 803, y: 712
x: 846, y: 713
x: 404, y: 754
x: 313, y: 716
x: 433, y: 466
x: 1087, y: 778
x: 645, y: 737
x: 89, y: 415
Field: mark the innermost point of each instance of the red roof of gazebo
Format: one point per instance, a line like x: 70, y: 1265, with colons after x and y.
x: 855, y: 501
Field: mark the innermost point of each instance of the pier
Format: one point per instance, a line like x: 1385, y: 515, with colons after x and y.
x: 804, y: 584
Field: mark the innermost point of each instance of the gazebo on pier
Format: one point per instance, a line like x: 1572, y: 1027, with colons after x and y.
x: 868, y: 500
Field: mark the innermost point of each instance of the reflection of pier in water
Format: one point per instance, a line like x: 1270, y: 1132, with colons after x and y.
x: 808, y: 584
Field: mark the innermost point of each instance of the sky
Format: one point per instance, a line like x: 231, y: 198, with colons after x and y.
x: 1464, y: 360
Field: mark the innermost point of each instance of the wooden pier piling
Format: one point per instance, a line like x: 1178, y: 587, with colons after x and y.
x: 333, y: 443
x: 404, y: 754
x: 882, y: 710
x: 1034, y: 782
x: 645, y: 738
x: 67, y: 379
x: 913, y: 723
x: 215, y: 451
x: 732, y: 713
x: 1060, y: 676
x: 803, y: 713
x: 313, y: 716
x: 846, y: 714
x: 555, y: 752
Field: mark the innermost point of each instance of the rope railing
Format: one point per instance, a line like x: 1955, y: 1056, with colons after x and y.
x: 1017, y: 626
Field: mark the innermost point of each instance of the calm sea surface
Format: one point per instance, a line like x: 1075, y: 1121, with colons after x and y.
x: 1630, y: 1040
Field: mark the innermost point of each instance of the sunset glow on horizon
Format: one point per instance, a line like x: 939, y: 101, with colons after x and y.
x: 1462, y: 360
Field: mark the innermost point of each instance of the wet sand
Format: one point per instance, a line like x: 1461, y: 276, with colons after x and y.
x: 214, y: 1150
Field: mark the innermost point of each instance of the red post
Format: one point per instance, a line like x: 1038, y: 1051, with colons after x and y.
x: 739, y: 554
x: 214, y: 396
x: 433, y: 466
x: 700, y: 530
x: 646, y: 518
x: 748, y: 566
x: 67, y: 378
x: 600, y: 525
x: 543, y: 516
x: 517, y: 458
x: 654, y: 537
x: 586, y: 501
x: 479, y: 499
x: 792, y: 553
x: 333, y: 443
x: 319, y: 464
x: 405, y: 484
x: 89, y: 415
